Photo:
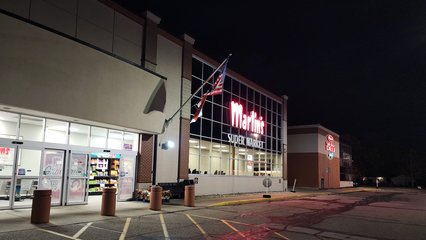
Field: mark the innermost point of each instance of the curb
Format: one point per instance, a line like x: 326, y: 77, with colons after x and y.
x: 273, y: 199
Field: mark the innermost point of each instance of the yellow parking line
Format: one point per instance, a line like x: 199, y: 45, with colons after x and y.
x: 55, y: 233
x: 236, y: 230
x: 125, y: 229
x: 78, y: 234
x: 163, y: 224
x: 282, y: 236
x: 197, y: 225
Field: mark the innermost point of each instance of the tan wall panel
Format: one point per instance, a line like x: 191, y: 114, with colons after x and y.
x: 127, y: 50
x: 96, y: 13
x: 128, y: 29
x: 21, y: 8
x: 305, y: 143
x: 169, y: 59
x: 49, y: 73
x: 58, y: 15
x: 93, y: 34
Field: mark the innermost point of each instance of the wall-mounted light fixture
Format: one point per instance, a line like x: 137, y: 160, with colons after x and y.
x: 167, y: 145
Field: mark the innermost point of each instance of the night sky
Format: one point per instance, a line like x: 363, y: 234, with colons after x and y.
x: 355, y: 67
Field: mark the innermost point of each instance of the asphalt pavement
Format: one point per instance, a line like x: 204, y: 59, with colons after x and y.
x: 348, y: 213
x: 20, y: 219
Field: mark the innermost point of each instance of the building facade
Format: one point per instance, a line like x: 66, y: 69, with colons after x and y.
x: 85, y: 101
x: 240, y: 139
x: 313, y: 156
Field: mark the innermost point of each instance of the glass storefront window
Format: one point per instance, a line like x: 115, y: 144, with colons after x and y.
x: 29, y: 162
x: 56, y: 131
x: 31, y: 128
x: 8, y: 125
x: 204, y: 158
x: 115, y: 139
x: 79, y: 134
x: 130, y: 141
x: 215, y: 126
x: 7, y: 157
x: 28, y: 172
x: 98, y: 137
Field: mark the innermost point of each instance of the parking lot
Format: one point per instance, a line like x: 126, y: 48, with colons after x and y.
x: 375, y: 214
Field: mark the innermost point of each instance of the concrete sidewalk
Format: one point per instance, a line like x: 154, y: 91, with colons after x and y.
x: 19, y: 219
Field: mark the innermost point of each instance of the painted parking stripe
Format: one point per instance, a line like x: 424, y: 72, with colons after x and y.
x: 163, y: 224
x: 78, y: 234
x: 232, y: 227
x: 197, y: 225
x: 126, y: 227
x: 230, y: 221
x: 55, y: 233
x: 282, y: 236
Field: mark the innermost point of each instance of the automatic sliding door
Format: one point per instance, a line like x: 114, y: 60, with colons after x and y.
x: 27, y: 176
x: 78, y: 179
x: 52, y: 173
x: 126, y: 181
x: 7, y: 161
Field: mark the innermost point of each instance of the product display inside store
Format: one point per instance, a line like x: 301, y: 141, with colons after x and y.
x: 104, y: 172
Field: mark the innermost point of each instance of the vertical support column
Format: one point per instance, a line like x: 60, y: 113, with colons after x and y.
x: 149, y: 45
x: 146, y: 152
x: 284, y: 139
x: 185, y: 114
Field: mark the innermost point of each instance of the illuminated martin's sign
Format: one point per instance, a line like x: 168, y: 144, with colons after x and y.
x: 329, y: 144
x: 250, y: 122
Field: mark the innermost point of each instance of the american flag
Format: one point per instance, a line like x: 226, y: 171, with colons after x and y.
x: 216, y: 90
x: 218, y: 85
x: 199, y: 111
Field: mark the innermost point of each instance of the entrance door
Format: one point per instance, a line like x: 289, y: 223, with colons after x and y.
x: 7, y: 166
x: 20, y: 175
x: 52, y: 168
x: 27, y: 176
x: 126, y: 181
x: 78, y: 178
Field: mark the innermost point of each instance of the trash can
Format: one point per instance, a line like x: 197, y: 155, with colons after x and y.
x: 40, y: 210
x: 155, y: 198
x: 189, y: 200
x: 108, y: 202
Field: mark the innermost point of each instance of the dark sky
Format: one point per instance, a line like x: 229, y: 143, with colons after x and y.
x: 356, y: 67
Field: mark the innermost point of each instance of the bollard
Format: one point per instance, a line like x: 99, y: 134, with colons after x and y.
x: 155, y: 198
x: 40, y: 210
x: 108, y: 202
x: 189, y: 200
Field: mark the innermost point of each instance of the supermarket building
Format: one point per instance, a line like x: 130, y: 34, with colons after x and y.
x: 84, y: 101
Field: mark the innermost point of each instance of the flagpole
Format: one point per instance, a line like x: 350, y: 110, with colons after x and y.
x: 208, y: 79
